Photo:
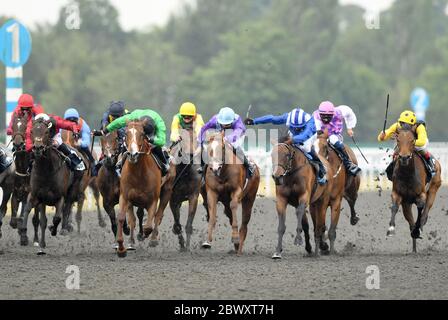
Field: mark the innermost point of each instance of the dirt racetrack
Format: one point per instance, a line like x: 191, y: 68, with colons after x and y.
x: 166, y: 273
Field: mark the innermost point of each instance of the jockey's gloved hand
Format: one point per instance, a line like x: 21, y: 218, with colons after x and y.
x: 151, y: 140
x: 249, y: 122
x: 96, y: 133
x: 104, y: 131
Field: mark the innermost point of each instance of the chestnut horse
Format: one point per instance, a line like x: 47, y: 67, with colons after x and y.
x: 344, y: 184
x: 22, y: 160
x: 109, y: 184
x: 70, y: 139
x: 409, y: 185
x: 226, y: 181
x: 52, y: 182
x: 187, y: 185
x: 296, y: 185
x: 140, y: 184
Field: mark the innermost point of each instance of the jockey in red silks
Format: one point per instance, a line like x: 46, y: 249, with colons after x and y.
x: 25, y: 107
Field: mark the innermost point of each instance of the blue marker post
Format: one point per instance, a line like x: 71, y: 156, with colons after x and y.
x: 15, y: 49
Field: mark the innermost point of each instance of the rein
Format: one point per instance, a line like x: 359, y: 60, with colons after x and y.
x: 288, y: 168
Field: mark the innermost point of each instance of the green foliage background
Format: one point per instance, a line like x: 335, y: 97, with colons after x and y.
x: 273, y: 54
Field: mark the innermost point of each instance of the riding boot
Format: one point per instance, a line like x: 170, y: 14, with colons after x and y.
x: 352, y: 168
x: 119, y: 164
x: 322, y: 179
x: 93, y: 162
x: 75, y: 161
x: 246, y: 163
x: 430, y: 161
x: 163, y: 160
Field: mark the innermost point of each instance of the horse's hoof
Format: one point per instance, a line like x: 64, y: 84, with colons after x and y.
x: 183, y: 249
x: 0, y: 234
x: 390, y: 232
x: 13, y: 223
x: 298, y: 241
x: 354, y: 220
x: 36, y: 244
x: 131, y: 247
x: 41, y: 252
x: 235, y: 240
x: 70, y: 228
x: 153, y: 243
x: 53, y: 230
x: 415, y: 234
x: 277, y: 256
x: 325, y: 252
x: 121, y: 254
x: 24, y: 241
x: 63, y: 232
x: 115, y: 246
x: 140, y: 237
x: 206, y: 245
x: 309, y: 249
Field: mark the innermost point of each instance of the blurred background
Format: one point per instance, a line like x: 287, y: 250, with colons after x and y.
x: 271, y: 54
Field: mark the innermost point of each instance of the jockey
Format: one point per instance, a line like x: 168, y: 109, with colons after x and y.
x: 58, y: 123
x: 421, y: 142
x: 25, y: 106
x: 72, y: 115
x: 155, y: 130
x: 302, y: 129
x: 186, y: 118
x: 331, y: 118
x: 234, y: 129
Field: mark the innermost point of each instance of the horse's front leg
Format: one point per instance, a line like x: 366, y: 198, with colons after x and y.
x: 14, y: 209
x: 24, y: 221
x: 281, y: 211
x: 300, y: 212
x: 192, y: 207
x: 234, y: 204
x: 121, y: 250
x: 421, y: 203
x: 36, y: 226
x: 396, y: 202
x: 57, y: 217
x: 212, y: 202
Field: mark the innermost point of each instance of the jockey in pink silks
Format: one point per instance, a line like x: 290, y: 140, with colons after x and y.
x: 331, y: 118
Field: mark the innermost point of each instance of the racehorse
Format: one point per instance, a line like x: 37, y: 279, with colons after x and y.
x: 186, y: 186
x: 52, y: 182
x: 296, y: 185
x: 140, y: 184
x: 409, y: 185
x: 21, y: 182
x: 73, y: 140
x: 226, y: 181
x: 343, y: 184
x: 109, y: 183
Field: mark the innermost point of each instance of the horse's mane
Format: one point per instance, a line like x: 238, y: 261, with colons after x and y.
x: 406, y: 127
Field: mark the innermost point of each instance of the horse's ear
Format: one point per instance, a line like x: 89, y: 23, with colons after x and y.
x: 326, y: 132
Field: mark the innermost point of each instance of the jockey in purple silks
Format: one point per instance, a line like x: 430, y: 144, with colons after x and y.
x: 234, y: 129
x: 327, y: 117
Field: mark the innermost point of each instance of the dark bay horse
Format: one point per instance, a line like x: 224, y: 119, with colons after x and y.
x: 52, y: 183
x: 109, y: 184
x: 409, y: 185
x: 344, y: 185
x: 140, y: 184
x: 296, y: 185
x: 187, y: 184
x: 225, y: 181
x: 70, y: 139
x: 21, y: 190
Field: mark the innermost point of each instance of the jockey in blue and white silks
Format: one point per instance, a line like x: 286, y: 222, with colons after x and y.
x: 302, y: 130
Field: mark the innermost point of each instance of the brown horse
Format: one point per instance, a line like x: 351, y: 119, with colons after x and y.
x: 409, y: 185
x: 140, y: 184
x: 22, y: 160
x: 52, y: 182
x: 109, y: 184
x: 344, y: 185
x: 296, y: 185
x: 226, y: 181
x: 70, y: 139
x: 187, y: 185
